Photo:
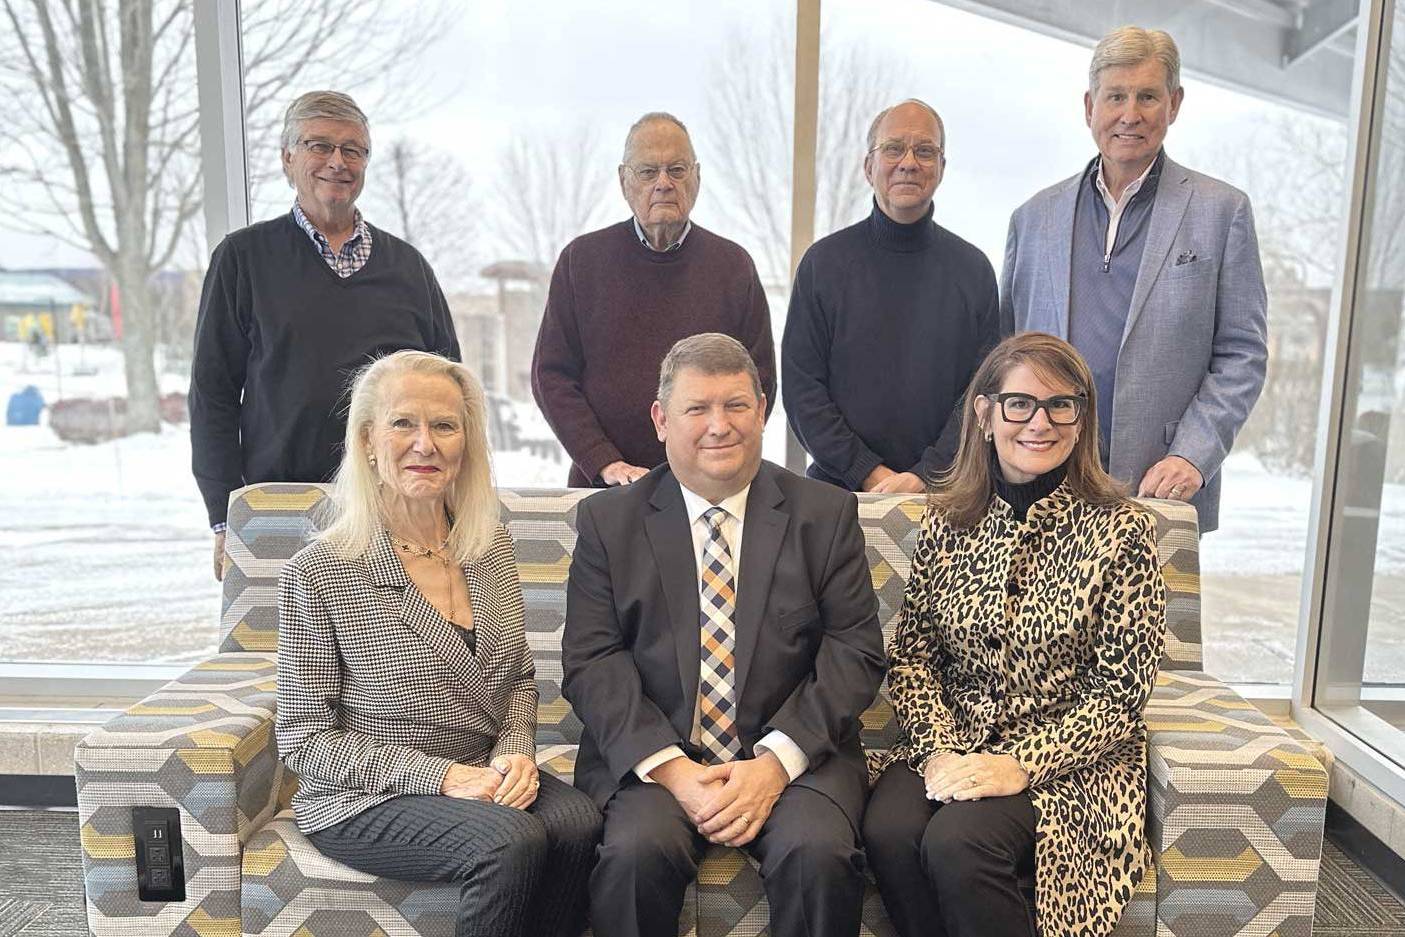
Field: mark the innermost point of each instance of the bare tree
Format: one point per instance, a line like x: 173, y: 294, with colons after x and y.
x: 748, y: 137
x: 548, y: 191
x: 100, y: 141
x: 425, y: 196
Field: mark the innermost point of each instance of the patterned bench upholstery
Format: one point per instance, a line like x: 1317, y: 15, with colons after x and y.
x: 1237, y: 806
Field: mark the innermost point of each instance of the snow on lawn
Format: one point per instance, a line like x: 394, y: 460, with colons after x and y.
x: 1263, y: 524
x: 104, y: 549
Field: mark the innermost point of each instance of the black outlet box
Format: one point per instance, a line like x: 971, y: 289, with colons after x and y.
x: 160, y: 861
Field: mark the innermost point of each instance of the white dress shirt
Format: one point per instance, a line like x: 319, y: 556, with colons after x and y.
x: 1115, y: 206
x: 792, y: 758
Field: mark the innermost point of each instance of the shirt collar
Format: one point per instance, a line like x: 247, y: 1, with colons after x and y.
x: 644, y: 239
x: 358, y: 230
x: 1133, y: 187
x: 697, y: 505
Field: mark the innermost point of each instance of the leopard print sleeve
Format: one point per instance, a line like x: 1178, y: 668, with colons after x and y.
x: 1129, y: 635
x: 915, y: 660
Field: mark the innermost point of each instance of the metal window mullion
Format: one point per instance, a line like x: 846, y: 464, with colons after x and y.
x: 220, y: 75
x: 803, y: 184
x: 1322, y: 586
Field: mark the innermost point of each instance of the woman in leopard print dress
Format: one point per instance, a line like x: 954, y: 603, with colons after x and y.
x: 1026, y: 649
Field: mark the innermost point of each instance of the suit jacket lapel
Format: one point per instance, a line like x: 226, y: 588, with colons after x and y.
x: 670, y: 538
x: 1172, y: 197
x: 422, y: 618
x: 764, y: 531
x: 1058, y: 247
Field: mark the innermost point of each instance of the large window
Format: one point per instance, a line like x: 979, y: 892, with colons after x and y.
x: 496, y: 131
x: 495, y: 142
x: 104, y: 549
x: 1361, y: 665
x: 1011, y: 97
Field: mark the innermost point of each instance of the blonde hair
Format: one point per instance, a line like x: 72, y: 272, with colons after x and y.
x: 963, y: 492
x: 355, y: 516
x: 319, y: 105
x: 1132, y: 45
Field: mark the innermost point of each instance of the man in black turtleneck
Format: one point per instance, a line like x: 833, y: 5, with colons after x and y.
x: 888, y: 320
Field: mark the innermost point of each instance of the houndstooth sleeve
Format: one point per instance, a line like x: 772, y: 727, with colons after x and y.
x: 519, y: 728
x: 311, y: 740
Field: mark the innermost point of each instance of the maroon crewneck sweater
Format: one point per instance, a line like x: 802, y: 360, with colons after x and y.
x: 614, y: 309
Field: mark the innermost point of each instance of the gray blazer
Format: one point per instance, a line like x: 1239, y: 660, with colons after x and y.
x: 1195, y: 346
x: 378, y: 695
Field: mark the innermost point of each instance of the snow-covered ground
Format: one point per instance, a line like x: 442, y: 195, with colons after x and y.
x: 104, y: 549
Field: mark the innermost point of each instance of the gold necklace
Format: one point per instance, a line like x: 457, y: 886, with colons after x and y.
x: 434, y: 553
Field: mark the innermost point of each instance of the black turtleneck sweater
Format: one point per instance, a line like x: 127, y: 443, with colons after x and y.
x: 1022, y: 497
x: 887, y: 324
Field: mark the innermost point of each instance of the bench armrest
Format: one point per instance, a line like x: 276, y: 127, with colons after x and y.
x: 204, y: 745
x: 1235, y: 813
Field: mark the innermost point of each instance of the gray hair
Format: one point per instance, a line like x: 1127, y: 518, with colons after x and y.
x: 654, y: 117
x: 1132, y: 45
x: 321, y: 105
x: 710, y: 353
x: 873, y: 127
x: 355, y: 507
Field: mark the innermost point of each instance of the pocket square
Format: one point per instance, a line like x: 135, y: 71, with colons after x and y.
x: 1185, y: 257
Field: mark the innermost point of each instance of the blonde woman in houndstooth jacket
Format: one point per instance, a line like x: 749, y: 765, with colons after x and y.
x: 406, y: 692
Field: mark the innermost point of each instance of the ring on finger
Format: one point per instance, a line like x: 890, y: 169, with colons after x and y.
x: 746, y: 820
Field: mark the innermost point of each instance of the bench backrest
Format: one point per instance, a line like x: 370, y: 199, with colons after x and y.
x: 268, y: 523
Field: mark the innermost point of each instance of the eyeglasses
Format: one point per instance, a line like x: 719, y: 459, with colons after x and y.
x: 349, y: 151
x: 1065, y: 409
x: 893, y: 151
x: 677, y: 172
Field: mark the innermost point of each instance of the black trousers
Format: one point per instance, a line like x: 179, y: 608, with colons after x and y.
x: 523, y: 872
x: 811, y: 865
x: 963, y: 869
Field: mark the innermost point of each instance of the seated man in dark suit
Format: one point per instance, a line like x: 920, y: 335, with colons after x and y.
x: 720, y: 683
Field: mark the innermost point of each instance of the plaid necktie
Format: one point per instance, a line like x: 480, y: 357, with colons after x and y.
x: 717, y: 684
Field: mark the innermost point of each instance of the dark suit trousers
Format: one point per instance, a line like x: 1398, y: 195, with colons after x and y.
x: 963, y: 869
x: 811, y: 865
x: 522, y: 872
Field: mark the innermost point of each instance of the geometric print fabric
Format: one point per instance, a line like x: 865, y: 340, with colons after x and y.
x: 1235, y: 805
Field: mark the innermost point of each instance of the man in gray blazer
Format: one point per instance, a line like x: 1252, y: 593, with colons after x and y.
x: 1152, y: 271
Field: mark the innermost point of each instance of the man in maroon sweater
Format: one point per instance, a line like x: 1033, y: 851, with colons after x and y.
x: 621, y: 296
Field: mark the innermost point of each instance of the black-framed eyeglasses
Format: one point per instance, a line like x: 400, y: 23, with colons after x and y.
x: 349, y: 151
x: 677, y: 171
x: 893, y: 151
x: 1063, y: 409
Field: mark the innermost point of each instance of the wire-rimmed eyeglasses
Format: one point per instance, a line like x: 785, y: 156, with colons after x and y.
x: 676, y: 171
x: 893, y: 151
x: 349, y: 151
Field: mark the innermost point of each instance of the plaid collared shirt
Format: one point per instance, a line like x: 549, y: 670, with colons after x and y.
x: 353, y: 254
x: 644, y: 238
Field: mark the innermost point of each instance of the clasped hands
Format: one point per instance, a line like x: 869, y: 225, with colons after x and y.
x: 950, y: 776
x: 510, y: 780
x: 728, y: 803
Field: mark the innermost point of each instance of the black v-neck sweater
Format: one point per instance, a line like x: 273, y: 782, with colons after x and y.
x: 279, y: 335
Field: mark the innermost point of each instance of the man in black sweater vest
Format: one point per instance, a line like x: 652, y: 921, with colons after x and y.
x: 888, y: 320
x: 292, y: 307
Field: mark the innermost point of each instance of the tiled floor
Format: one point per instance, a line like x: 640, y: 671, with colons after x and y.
x: 41, y: 886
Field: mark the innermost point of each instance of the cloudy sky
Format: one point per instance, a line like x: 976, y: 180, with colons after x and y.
x: 1011, y: 99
